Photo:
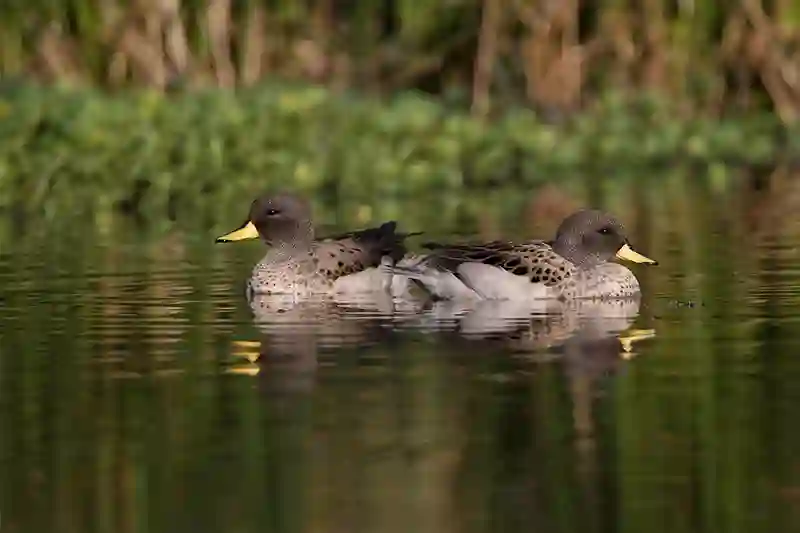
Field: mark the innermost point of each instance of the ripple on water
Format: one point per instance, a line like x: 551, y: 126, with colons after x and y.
x: 159, y: 368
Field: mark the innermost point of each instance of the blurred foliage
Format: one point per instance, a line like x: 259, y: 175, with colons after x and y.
x: 148, y: 152
x: 556, y: 56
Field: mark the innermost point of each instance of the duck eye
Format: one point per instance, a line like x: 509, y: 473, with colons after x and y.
x: 272, y: 212
x: 604, y: 231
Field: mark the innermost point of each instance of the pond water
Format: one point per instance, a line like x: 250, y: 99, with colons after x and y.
x: 138, y: 392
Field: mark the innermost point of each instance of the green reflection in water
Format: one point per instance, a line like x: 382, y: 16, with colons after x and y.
x: 126, y: 403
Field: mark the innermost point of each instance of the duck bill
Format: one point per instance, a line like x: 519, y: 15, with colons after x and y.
x: 246, y: 232
x: 629, y: 254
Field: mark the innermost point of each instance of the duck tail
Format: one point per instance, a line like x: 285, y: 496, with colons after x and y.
x: 391, y: 242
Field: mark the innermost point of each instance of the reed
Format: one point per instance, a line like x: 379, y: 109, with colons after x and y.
x: 556, y: 56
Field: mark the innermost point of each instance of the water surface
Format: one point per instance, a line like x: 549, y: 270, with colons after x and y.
x: 139, y: 392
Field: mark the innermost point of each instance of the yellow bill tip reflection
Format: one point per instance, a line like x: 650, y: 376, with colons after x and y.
x: 632, y: 336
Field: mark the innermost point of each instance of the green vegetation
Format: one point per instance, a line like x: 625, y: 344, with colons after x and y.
x: 150, y: 152
x: 170, y: 105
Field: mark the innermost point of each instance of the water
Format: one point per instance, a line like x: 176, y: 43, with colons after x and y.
x: 138, y: 393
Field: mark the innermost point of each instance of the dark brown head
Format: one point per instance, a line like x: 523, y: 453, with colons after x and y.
x: 276, y: 219
x: 590, y: 237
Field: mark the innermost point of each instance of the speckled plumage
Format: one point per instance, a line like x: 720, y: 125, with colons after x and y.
x: 301, y: 265
x: 574, y: 265
x: 333, y: 265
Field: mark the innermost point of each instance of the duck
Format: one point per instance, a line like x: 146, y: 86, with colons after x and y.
x: 300, y: 265
x: 577, y: 264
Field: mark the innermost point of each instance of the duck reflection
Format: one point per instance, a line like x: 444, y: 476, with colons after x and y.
x: 574, y: 348
x: 590, y: 337
x: 541, y: 331
x: 294, y: 334
x: 423, y: 415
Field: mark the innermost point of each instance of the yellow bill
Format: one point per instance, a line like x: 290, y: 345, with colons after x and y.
x: 629, y: 254
x: 248, y: 231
